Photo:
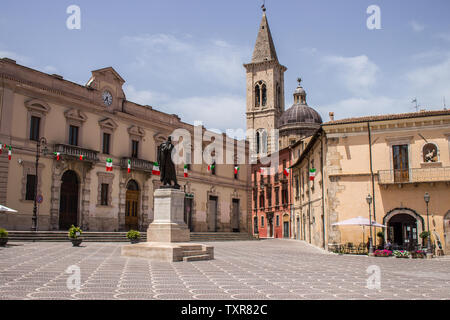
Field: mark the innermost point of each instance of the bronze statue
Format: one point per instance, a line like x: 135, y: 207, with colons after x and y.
x: 166, y: 165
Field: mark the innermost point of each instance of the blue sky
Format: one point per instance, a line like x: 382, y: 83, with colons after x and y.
x: 186, y: 57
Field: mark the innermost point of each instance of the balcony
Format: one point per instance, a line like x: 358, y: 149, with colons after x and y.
x: 414, y: 175
x: 137, y: 164
x: 69, y: 151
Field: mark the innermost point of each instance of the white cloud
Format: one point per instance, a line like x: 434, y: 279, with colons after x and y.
x: 187, y: 59
x: 443, y: 36
x: 357, y: 74
x: 20, y: 59
x: 144, y: 97
x: 416, y: 26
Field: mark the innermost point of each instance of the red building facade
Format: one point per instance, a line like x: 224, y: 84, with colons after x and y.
x: 272, y: 198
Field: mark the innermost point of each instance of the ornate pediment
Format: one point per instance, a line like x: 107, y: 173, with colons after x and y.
x: 75, y: 115
x: 37, y: 106
x: 136, y: 131
x: 108, y: 124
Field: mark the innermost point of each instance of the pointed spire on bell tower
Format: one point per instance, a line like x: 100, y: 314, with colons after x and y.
x: 264, y: 47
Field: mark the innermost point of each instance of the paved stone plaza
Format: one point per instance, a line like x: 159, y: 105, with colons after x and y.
x: 268, y: 269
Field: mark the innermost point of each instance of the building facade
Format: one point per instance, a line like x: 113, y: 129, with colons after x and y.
x: 395, y: 159
x: 89, y: 129
x: 272, y: 198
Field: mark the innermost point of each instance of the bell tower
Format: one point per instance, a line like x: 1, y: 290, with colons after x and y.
x: 265, y: 89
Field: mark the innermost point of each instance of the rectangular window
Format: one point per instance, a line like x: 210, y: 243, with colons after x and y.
x: 278, y: 220
x: 297, y: 191
x: 73, y: 135
x: 269, y: 196
x: 261, y: 200
x: 106, y: 142
x: 104, y: 194
x: 262, y: 221
x: 31, y: 187
x: 134, y: 148
x: 34, y: 128
x: 277, y: 196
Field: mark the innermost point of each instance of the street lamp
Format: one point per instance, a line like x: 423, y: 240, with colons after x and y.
x: 426, y: 197
x: 369, y: 202
x: 42, y: 141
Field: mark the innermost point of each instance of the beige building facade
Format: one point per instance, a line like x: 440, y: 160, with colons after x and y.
x: 408, y: 155
x: 85, y: 127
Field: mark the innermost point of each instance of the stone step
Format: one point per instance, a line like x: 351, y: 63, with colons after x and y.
x: 188, y: 253
x: 196, y: 258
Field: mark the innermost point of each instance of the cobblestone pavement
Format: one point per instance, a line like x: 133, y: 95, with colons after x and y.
x: 268, y: 269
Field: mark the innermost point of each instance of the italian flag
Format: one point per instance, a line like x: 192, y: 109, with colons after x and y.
x: 186, y: 171
x: 81, y: 157
x: 236, y: 170
x: 210, y: 167
x: 58, y: 155
x: 109, y: 165
x: 1, y: 147
x: 286, y: 172
x: 312, y: 174
x: 129, y: 165
x: 9, y: 152
x: 155, y: 170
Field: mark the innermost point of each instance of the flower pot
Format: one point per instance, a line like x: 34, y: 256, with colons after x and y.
x: 133, y: 241
x: 3, y: 242
x: 76, y: 241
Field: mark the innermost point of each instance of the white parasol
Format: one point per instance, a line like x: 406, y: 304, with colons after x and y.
x: 6, y: 209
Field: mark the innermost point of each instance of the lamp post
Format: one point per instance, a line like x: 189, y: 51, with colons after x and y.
x: 369, y: 202
x: 426, y: 197
x: 42, y: 141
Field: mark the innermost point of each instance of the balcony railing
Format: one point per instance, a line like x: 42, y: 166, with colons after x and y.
x: 414, y: 175
x: 75, y: 152
x: 137, y: 164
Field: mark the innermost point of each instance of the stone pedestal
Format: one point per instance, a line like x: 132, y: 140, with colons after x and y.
x: 168, y: 224
x: 168, y: 235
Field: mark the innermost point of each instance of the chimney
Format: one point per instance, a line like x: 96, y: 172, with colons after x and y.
x: 331, y: 114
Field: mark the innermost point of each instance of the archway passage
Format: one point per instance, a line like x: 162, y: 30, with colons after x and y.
x: 68, y: 200
x: 132, y: 206
x: 403, y: 231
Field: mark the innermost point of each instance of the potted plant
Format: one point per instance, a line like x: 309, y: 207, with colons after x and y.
x: 133, y: 236
x: 3, y: 237
x: 424, y: 236
x: 74, y: 235
x: 401, y: 253
x: 380, y: 236
x: 418, y: 254
x: 382, y: 253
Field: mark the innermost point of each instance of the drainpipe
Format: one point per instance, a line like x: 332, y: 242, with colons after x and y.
x: 323, y: 193
x: 372, y: 176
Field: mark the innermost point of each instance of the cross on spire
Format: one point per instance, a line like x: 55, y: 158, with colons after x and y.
x: 299, y: 80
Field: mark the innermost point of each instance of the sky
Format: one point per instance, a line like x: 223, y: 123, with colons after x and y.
x: 186, y: 57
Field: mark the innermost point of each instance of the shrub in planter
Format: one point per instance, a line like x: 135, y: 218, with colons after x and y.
x: 74, y: 235
x: 3, y: 237
x: 418, y: 254
x: 134, y: 236
x: 380, y: 236
x: 382, y: 253
x: 424, y: 236
x: 401, y: 253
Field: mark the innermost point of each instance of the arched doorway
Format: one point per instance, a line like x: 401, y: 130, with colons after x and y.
x: 403, y: 227
x: 132, y: 206
x: 68, y: 200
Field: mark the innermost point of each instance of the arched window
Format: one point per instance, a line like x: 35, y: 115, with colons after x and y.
x: 264, y: 95
x: 278, y: 96
x: 257, y: 96
x: 264, y: 141
x: 430, y: 153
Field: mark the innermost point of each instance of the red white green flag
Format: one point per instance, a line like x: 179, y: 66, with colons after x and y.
x: 312, y: 174
x: 109, y: 165
x: 186, y: 171
x: 155, y: 170
x: 210, y: 167
x: 58, y: 155
x: 9, y: 152
x: 129, y: 165
x: 236, y: 169
x: 286, y: 172
x: 1, y: 147
x: 81, y: 157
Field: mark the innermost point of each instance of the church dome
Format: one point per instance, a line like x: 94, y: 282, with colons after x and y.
x: 300, y: 113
